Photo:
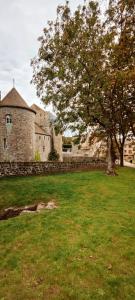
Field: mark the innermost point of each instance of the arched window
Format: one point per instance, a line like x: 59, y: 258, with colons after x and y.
x: 8, y: 119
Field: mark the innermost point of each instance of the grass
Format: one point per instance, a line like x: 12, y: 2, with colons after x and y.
x: 85, y: 249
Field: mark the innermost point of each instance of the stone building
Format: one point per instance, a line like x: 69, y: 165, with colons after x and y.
x: 26, y: 133
x: 95, y: 147
x: 44, y: 133
x: 129, y: 150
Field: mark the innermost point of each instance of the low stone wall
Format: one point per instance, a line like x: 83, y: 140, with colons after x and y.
x: 68, y: 158
x: 41, y: 168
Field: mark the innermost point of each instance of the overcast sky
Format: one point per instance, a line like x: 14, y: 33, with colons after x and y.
x: 21, y: 23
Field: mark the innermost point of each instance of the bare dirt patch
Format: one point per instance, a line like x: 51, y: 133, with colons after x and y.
x: 12, y: 212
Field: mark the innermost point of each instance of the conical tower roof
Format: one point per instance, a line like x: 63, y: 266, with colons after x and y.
x: 14, y: 99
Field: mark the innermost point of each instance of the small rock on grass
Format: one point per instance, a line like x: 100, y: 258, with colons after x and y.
x: 27, y: 212
x: 50, y: 205
x: 109, y: 267
x: 41, y: 206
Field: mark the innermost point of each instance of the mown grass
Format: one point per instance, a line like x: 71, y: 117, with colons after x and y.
x: 85, y: 249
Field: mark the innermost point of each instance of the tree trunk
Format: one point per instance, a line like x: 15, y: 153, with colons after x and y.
x: 110, y: 163
x: 121, y: 157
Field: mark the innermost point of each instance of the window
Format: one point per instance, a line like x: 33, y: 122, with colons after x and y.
x: 43, y: 148
x: 39, y: 137
x: 5, y: 143
x: 8, y: 119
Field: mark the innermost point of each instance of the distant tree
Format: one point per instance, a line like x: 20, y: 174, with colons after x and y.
x: 120, y: 42
x: 67, y: 140
x: 53, y: 155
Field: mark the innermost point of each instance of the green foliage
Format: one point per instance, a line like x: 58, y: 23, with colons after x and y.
x: 75, y: 54
x: 76, y: 140
x: 53, y: 155
x: 85, y: 68
x: 90, y: 235
x: 91, y: 65
x: 67, y: 140
x: 37, y: 156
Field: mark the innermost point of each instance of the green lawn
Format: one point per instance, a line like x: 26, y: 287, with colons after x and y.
x: 85, y: 249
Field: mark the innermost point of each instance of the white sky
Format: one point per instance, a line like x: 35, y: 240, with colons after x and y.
x: 21, y: 23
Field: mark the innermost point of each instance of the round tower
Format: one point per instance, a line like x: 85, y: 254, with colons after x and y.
x: 17, y: 129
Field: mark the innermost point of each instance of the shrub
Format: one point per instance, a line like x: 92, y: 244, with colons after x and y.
x: 37, y: 156
x: 53, y: 155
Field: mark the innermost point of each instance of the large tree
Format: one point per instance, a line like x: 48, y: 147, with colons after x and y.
x: 74, y: 71
x: 120, y: 37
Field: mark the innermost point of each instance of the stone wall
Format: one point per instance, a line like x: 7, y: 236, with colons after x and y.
x: 42, y: 118
x: 68, y: 158
x: 42, y: 146
x: 44, y: 168
x: 19, y: 136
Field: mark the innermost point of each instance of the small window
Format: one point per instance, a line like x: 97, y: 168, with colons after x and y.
x: 43, y: 148
x: 5, y: 143
x: 8, y: 119
x: 39, y: 137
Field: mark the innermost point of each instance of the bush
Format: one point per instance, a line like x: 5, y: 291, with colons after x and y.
x: 53, y: 155
x: 37, y: 156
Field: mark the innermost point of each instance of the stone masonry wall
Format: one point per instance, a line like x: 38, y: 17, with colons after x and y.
x: 57, y: 139
x: 42, y: 146
x: 19, y: 135
x: 44, y: 168
x: 83, y: 159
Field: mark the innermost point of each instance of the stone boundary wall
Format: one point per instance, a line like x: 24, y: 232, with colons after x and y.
x: 44, y: 168
x: 68, y: 158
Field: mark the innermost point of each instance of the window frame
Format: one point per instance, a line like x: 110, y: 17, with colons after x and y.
x: 8, y: 119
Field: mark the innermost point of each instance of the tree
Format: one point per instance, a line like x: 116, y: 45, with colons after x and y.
x: 73, y: 71
x: 53, y: 155
x: 120, y: 51
x: 67, y: 140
